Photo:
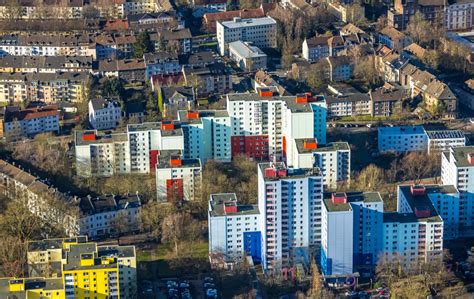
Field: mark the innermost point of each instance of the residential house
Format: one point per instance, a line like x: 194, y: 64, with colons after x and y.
x: 104, y: 113
x: 130, y: 70
x: 201, y: 7
x: 336, y: 45
x: 388, y: 100
x: 340, y: 68
x: 345, y: 100
x: 135, y: 112
x: 178, y: 40
x: 161, y: 63
x: 394, y: 39
x: 109, y: 215
x: 316, y: 48
x: 171, y: 99
x: 215, y: 78
x: 459, y: 15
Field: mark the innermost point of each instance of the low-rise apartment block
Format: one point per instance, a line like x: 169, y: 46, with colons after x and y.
x: 45, y: 64
x: 76, y: 261
x: 161, y: 63
x: 211, y: 79
x: 261, y: 32
x: 22, y: 123
x: 247, y: 57
x: 42, y: 87
x: 459, y: 15
x: 345, y: 100
x: 109, y: 215
x: 402, y: 139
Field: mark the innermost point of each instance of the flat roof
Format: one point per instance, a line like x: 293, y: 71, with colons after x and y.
x: 423, y: 201
x: 460, y: 155
x: 246, y: 50
x: 166, y: 155
x: 183, y: 115
x: 401, y: 130
x: 99, y: 137
x: 333, y: 146
x: 46, y: 244
x: 116, y: 251
x: 289, y: 100
x: 220, y: 199
x: 239, y: 23
x: 445, y: 134
x: 352, y: 197
x: 291, y: 173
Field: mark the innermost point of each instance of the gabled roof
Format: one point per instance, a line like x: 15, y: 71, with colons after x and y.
x: 440, y: 90
x: 321, y: 41
x: 392, y: 33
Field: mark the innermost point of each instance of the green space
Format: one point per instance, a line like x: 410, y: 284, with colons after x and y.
x: 159, y: 262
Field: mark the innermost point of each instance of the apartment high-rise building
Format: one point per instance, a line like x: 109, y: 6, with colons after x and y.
x: 233, y: 229
x: 178, y: 178
x: 263, y: 125
x: 351, y: 231
x: 259, y: 31
x: 457, y: 169
x: 207, y: 134
x: 334, y: 159
x: 289, y: 201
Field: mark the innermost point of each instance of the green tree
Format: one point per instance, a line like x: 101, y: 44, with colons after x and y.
x: 142, y: 45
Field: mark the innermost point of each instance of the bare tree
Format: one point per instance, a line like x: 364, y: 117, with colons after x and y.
x: 178, y: 228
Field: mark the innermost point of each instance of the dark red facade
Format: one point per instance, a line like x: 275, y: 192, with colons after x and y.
x: 174, y: 189
x: 255, y: 147
x: 153, y: 158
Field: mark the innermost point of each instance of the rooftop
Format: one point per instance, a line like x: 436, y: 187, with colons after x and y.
x: 289, y: 100
x: 92, y: 137
x: 219, y: 201
x: 445, y: 134
x: 47, y: 244
x: 279, y: 171
x: 423, y: 200
x: 401, y: 130
x: 165, y: 157
x: 352, y: 197
x: 333, y: 146
x: 239, y: 23
x: 116, y: 251
x: 105, y: 203
x: 195, y: 117
x: 461, y: 154
x: 245, y: 50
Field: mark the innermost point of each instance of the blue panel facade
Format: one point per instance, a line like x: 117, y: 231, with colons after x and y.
x: 253, y: 245
x: 326, y: 263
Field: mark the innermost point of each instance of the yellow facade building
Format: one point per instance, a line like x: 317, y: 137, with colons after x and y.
x: 75, y: 268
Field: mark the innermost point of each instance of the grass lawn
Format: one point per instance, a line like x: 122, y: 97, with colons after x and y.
x: 158, y: 263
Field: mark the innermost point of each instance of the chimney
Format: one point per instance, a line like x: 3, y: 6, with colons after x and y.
x: 88, y: 136
x: 265, y: 92
x: 230, y: 207
x: 310, y: 143
x: 422, y: 212
x: 176, y: 161
x: 417, y: 190
x: 301, y: 98
x: 339, y: 197
x: 470, y: 158
x: 167, y: 126
x: 193, y: 114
